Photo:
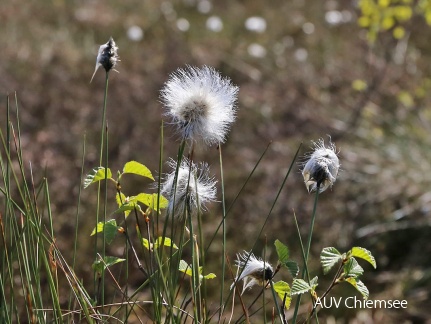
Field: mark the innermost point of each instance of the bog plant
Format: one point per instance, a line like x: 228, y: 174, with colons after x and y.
x: 163, y: 231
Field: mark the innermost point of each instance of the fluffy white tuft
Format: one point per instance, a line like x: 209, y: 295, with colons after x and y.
x: 194, y: 188
x: 255, y: 271
x: 321, y: 169
x: 201, y: 103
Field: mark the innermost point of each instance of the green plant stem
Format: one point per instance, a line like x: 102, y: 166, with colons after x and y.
x: 307, y: 251
x: 223, y: 260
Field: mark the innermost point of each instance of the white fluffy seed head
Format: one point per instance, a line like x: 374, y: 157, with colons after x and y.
x: 255, y: 271
x: 321, y: 169
x: 194, y: 187
x: 201, y: 103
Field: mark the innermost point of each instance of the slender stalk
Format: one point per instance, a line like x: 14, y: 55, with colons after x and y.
x: 223, y: 259
x: 307, y: 251
x: 101, y: 282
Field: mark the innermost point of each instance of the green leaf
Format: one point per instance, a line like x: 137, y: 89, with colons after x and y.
x: 100, y: 265
x: 98, y: 174
x: 120, y: 199
x: 137, y: 168
x: 352, y: 268
x: 282, y: 252
x: 300, y: 286
x: 210, y: 276
x: 150, y: 200
x: 329, y: 257
x: 362, y: 253
x: 283, y: 290
x: 129, y: 204
x: 314, y: 283
x: 166, y: 242
x: 359, y: 285
x: 185, y: 267
x: 109, y: 229
x: 147, y: 244
x: 293, y: 268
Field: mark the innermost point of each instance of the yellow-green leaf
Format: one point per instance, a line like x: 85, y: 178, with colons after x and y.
x: 283, y: 291
x: 151, y: 201
x: 364, y: 254
x: 137, y: 168
x: 109, y: 230
x: 210, y: 276
x: 185, y: 267
x: 359, y: 285
x: 97, y: 174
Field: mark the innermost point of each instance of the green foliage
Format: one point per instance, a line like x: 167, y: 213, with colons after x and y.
x: 151, y: 200
x: 282, y: 251
x: 283, y: 258
x: 364, y: 254
x: 300, y: 286
x: 137, y: 168
x: 101, y: 265
x: 187, y: 269
x: 391, y: 15
x: 153, y: 246
x: 98, y: 174
x: 359, y: 285
x: 329, y: 257
x: 109, y: 230
x: 350, y: 269
x: 282, y: 289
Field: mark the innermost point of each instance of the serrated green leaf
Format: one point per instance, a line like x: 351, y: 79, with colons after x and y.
x: 96, y: 175
x: 293, y: 267
x: 364, y: 254
x: 283, y: 291
x: 123, y: 202
x: 185, y: 267
x: 314, y: 283
x: 100, y: 265
x: 352, y: 268
x: 137, y: 168
x: 359, y: 285
x: 210, y: 276
x: 329, y: 257
x: 300, y: 286
x: 146, y: 244
x: 109, y: 230
x: 282, y: 251
x: 150, y: 200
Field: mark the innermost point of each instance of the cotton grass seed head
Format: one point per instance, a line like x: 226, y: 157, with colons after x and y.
x: 194, y: 189
x: 321, y: 169
x: 107, y: 56
x: 255, y: 271
x: 201, y: 103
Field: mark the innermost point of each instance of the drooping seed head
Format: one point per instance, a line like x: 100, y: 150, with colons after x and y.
x: 321, y: 169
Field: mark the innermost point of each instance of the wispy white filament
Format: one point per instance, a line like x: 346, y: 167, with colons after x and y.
x: 255, y: 271
x: 201, y: 103
x: 322, y: 167
x: 193, y: 190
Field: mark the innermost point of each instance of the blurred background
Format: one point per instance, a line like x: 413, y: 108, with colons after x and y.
x: 357, y: 71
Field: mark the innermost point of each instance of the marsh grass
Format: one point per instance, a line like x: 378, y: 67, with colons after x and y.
x: 169, y: 252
